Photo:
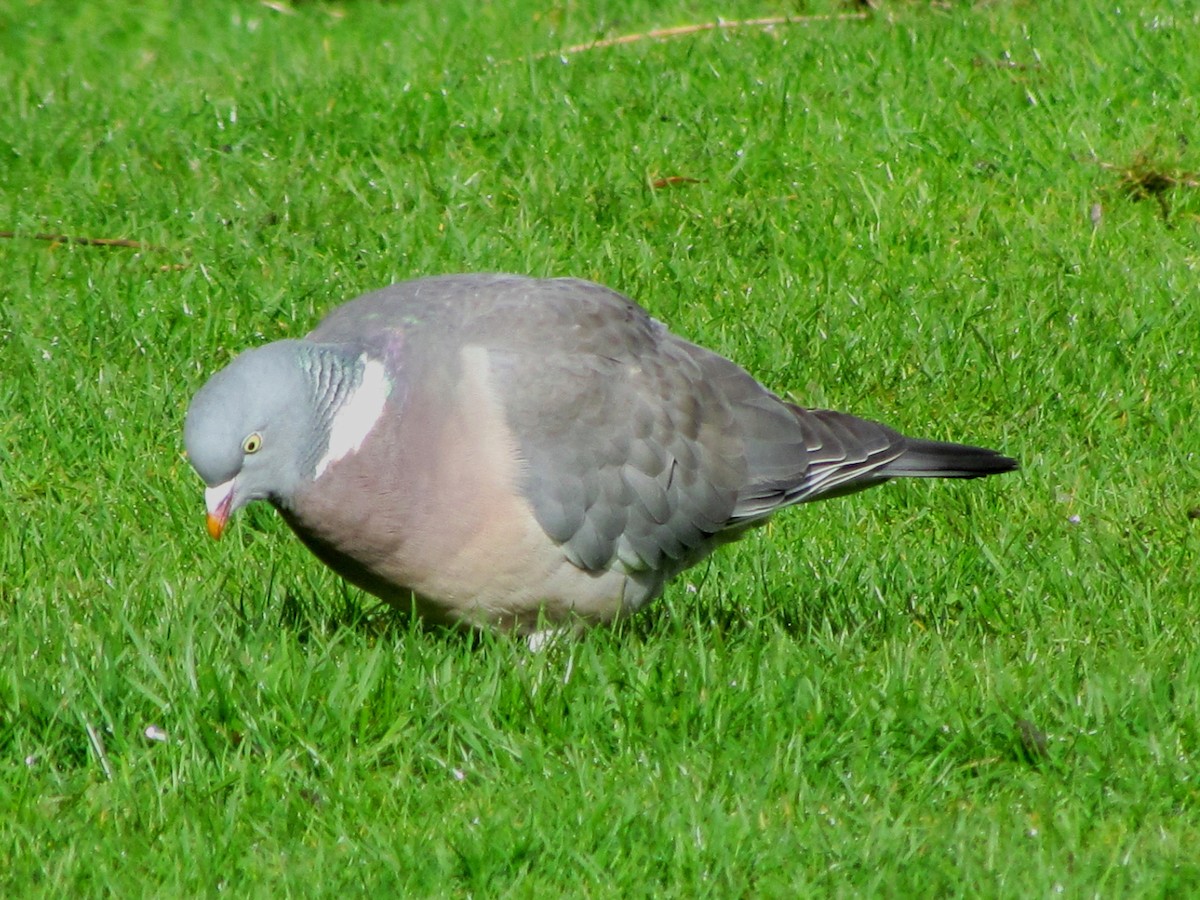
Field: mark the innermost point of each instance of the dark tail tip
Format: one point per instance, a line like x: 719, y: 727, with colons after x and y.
x: 935, y: 459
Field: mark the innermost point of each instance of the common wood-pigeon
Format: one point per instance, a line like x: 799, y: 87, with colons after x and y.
x: 520, y: 453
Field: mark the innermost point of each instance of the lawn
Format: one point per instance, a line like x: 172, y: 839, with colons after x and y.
x: 975, y: 221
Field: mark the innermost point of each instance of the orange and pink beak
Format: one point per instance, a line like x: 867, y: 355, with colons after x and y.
x: 219, y: 502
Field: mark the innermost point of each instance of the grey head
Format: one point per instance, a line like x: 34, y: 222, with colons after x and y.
x: 252, y: 431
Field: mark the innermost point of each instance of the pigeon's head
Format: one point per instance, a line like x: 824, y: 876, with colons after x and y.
x: 249, y: 430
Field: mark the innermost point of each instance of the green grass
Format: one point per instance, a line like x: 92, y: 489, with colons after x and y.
x: 974, y: 221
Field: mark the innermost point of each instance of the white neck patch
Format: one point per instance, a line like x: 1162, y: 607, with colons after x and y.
x: 357, y: 415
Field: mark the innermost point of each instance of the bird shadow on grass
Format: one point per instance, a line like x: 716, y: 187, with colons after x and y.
x: 819, y: 611
x: 696, y: 609
x: 722, y: 618
x: 306, y: 616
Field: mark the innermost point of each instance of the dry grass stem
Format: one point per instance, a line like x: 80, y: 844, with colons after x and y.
x: 665, y: 34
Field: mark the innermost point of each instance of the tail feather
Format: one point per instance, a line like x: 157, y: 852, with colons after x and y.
x: 936, y: 459
x: 840, y: 454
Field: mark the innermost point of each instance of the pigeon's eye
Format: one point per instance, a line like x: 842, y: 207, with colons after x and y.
x: 252, y: 443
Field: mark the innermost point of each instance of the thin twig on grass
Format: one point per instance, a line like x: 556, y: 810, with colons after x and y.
x: 1004, y: 63
x: 97, y: 742
x: 89, y: 241
x: 664, y: 34
x: 671, y: 181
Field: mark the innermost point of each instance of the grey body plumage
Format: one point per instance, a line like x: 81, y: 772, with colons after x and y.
x: 528, y: 450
